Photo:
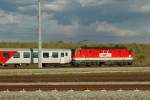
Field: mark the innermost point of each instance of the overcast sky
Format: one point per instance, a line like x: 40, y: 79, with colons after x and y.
x: 76, y: 20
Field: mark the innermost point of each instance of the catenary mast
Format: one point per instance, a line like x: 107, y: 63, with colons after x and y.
x: 39, y: 36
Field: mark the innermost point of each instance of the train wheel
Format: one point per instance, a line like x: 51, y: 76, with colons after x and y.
x: 87, y: 64
x: 101, y: 64
x: 17, y: 65
x: 129, y: 63
x: 74, y: 64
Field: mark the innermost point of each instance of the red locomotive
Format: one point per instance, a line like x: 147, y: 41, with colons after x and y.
x: 102, y: 56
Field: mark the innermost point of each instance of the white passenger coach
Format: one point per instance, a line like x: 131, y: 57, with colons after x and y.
x: 28, y: 56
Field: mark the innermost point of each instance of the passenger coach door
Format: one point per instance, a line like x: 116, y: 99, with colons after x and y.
x: 55, y: 57
x: 62, y: 57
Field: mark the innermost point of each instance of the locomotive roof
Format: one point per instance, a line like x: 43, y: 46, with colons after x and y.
x: 104, y: 47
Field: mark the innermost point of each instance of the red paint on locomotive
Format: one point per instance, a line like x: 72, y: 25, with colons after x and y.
x: 105, y: 53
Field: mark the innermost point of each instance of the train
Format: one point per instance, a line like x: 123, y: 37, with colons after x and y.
x: 73, y: 57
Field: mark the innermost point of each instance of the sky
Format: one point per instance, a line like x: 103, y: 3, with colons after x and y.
x: 106, y: 21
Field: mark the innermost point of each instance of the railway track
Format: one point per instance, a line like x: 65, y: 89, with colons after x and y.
x: 75, y: 86
x: 75, y: 79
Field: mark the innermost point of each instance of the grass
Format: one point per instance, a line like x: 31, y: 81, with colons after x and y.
x: 125, y: 71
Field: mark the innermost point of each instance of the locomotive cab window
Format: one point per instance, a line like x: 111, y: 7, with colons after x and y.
x: 26, y: 55
x: 17, y: 55
x: 6, y: 55
x: 130, y: 52
x: 45, y: 55
x: 55, y: 54
x: 109, y: 51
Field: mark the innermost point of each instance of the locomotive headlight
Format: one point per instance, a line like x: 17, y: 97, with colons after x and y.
x: 129, y: 56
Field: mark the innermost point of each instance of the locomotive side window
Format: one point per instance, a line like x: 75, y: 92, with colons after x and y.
x: 62, y: 55
x: 17, y: 55
x: 45, y: 55
x: 6, y: 55
x: 26, y: 55
x: 55, y: 54
x: 35, y: 54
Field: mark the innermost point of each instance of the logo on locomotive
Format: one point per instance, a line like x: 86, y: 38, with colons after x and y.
x: 105, y: 55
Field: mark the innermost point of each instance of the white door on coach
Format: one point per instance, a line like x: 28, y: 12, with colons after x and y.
x: 62, y: 57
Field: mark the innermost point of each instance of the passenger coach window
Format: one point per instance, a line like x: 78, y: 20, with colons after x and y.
x: 55, y: 54
x: 62, y: 54
x: 66, y: 54
x: 26, y: 55
x: 17, y: 55
x: 45, y: 55
x: 6, y: 55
